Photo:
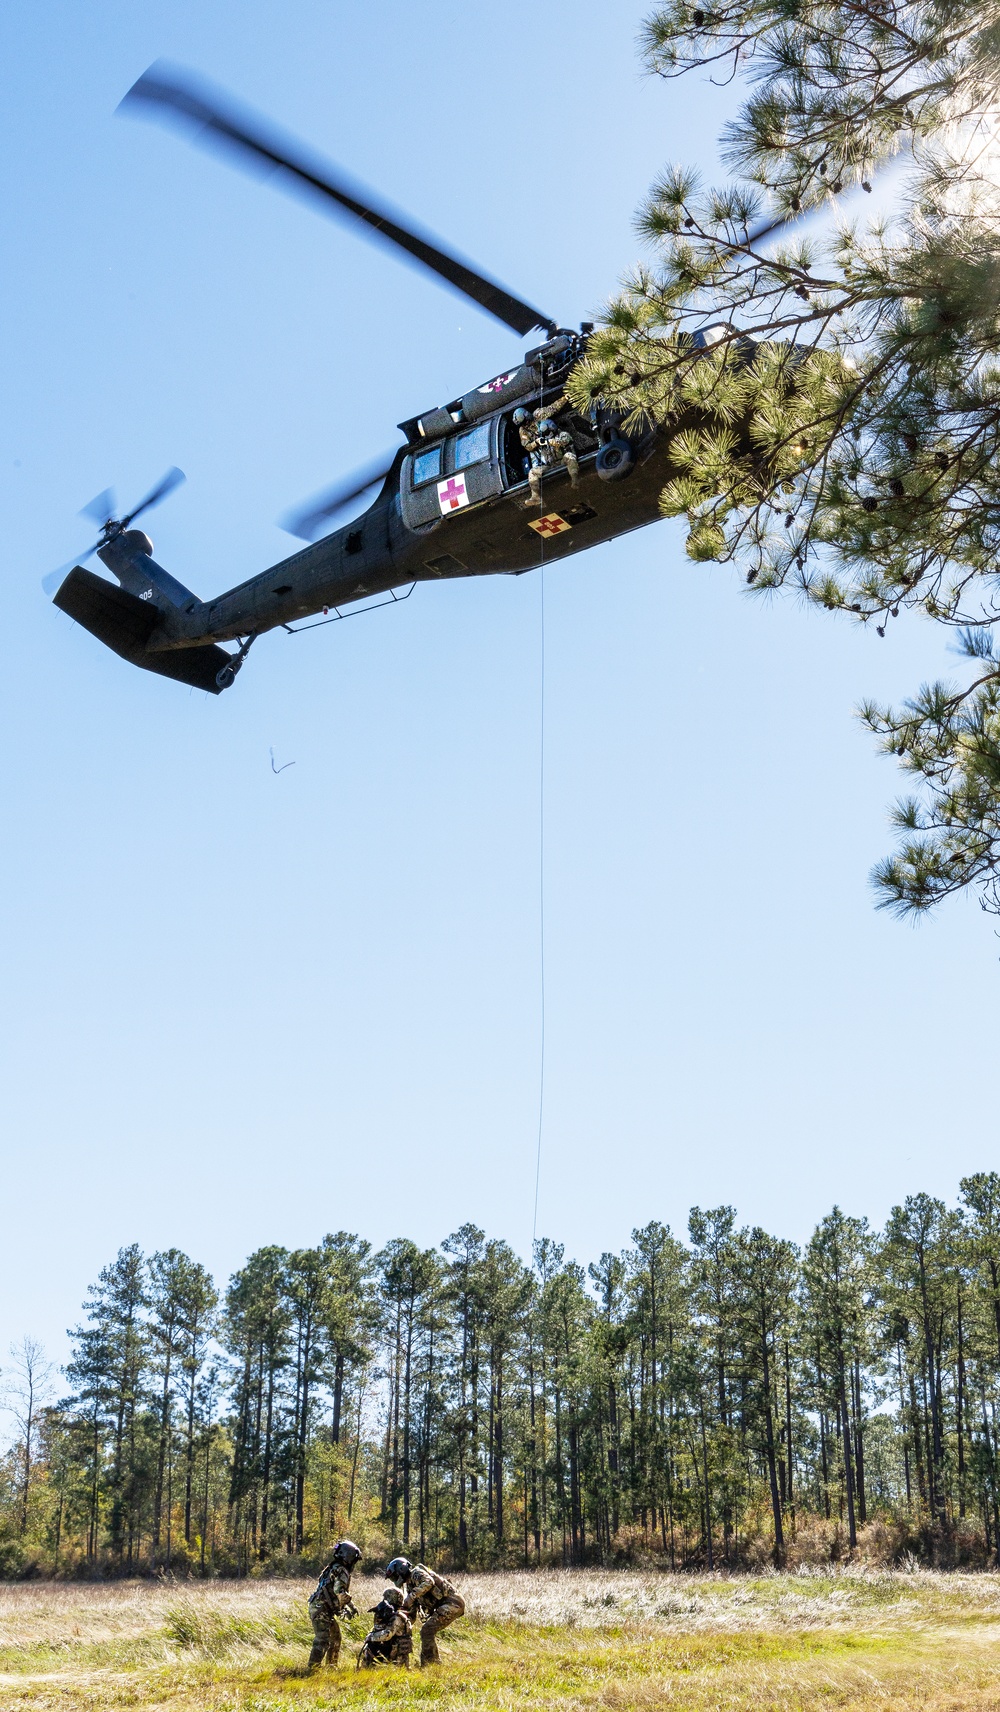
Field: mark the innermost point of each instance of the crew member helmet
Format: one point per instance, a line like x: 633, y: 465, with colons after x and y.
x: 521, y: 416
x: 346, y: 1553
x: 398, y: 1570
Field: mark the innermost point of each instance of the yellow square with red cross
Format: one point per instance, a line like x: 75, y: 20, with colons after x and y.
x: 550, y: 524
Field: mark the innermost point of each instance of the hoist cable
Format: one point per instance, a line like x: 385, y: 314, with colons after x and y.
x: 541, y: 898
x: 541, y: 832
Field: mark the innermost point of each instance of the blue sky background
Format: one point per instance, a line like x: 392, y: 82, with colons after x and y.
x: 240, y: 1008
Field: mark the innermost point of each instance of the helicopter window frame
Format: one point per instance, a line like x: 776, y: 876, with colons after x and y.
x: 424, y: 457
x: 478, y: 437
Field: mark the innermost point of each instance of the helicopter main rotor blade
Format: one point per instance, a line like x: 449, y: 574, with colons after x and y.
x: 177, y: 94
x: 308, y: 521
x: 778, y: 224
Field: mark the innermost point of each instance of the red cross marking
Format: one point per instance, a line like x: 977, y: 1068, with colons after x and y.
x: 453, y: 492
x: 552, y: 525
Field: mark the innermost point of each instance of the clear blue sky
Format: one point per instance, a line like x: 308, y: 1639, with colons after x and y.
x: 240, y: 1008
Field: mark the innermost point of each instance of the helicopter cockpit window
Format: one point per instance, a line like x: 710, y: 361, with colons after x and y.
x: 473, y: 447
x: 427, y: 466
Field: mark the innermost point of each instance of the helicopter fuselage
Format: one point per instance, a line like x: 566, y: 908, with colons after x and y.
x: 455, y: 503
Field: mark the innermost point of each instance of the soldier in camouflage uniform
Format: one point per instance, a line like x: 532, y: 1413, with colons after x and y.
x: 332, y: 1599
x: 429, y: 1594
x: 547, y: 446
x: 389, y: 1641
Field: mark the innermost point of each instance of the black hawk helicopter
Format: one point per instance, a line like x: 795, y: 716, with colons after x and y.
x: 454, y: 500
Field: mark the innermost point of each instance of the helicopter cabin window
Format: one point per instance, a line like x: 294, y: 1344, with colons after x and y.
x: 473, y: 447
x: 427, y: 466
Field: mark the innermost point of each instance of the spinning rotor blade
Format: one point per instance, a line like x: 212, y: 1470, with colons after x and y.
x: 177, y: 95
x: 172, y: 479
x: 783, y: 220
x: 308, y: 522
x: 100, y: 510
x: 51, y: 582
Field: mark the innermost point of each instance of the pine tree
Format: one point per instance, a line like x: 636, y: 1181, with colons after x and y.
x: 838, y: 431
x: 764, y: 1271
x: 109, y: 1369
x: 836, y: 1268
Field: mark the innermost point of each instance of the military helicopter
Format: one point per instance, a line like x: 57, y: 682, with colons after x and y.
x: 454, y: 500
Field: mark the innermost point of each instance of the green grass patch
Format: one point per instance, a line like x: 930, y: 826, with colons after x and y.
x: 788, y: 1644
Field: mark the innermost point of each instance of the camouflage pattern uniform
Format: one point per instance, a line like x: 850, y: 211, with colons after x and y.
x: 436, y: 1600
x: 331, y: 1599
x: 389, y: 1640
x: 547, y: 446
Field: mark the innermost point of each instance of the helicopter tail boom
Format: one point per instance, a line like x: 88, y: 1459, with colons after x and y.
x: 125, y: 624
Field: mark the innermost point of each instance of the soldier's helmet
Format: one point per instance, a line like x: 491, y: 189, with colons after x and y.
x: 521, y: 416
x: 546, y: 426
x: 347, y: 1553
x: 398, y: 1570
x: 388, y: 1606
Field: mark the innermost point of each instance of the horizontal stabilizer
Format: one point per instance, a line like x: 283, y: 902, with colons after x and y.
x: 123, y: 622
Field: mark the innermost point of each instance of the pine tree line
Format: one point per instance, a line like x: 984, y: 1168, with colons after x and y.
x: 714, y: 1402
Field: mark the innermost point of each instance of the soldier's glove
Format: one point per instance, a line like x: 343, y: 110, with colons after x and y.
x: 348, y: 1609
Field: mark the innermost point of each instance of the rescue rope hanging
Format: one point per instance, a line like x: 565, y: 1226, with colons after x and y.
x: 541, y: 840
x: 541, y: 899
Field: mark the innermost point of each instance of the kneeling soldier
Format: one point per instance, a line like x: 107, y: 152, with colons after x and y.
x: 429, y: 1594
x: 332, y: 1599
x: 389, y: 1640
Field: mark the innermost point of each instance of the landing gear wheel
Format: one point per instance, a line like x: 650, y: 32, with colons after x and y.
x: 615, y: 460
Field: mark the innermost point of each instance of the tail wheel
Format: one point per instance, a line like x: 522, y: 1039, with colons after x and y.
x: 615, y: 460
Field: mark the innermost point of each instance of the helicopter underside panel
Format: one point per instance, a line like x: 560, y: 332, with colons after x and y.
x: 505, y: 535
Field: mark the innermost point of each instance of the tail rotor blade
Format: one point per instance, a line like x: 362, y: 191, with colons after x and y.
x: 101, y: 508
x: 51, y: 582
x: 307, y: 522
x: 172, y: 479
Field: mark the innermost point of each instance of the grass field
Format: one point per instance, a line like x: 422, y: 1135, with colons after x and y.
x: 553, y: 1640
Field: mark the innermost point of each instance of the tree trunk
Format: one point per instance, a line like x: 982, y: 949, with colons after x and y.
x: 845, y: 1424
x: 772, y: 1466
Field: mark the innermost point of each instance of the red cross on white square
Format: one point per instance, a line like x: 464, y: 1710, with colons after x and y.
x: 452, y: 494
x: 552, y: 524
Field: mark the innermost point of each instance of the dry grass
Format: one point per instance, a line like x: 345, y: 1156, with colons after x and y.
x: 549, y: 1642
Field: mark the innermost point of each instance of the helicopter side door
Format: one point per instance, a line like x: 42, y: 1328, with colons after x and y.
x: 447, y: 475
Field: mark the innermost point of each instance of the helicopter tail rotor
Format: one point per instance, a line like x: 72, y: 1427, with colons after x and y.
x: 100, y: 509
